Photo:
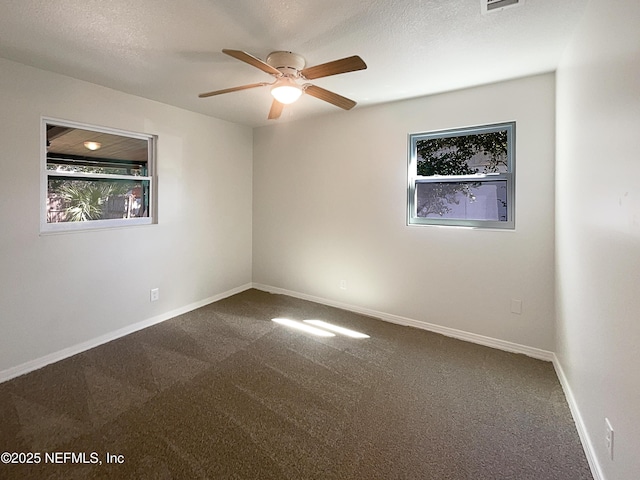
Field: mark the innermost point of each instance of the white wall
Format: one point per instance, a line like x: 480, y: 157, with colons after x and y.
x: 57, y: 291
x: 598, y: 228
x: 330, y: 204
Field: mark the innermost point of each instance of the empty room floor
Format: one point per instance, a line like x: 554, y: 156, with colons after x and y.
x: 223, y: 392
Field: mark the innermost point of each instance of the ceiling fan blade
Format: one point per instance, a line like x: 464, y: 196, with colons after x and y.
x: 232, y: 89
x: 327, y: 96
x: 344, y: 65
x: 251, y: 60
x: 276, y: 110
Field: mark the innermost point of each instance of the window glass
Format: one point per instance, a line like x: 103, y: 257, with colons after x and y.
x: 462, y: 200
x: 96, y: 177
x: 463, y: 177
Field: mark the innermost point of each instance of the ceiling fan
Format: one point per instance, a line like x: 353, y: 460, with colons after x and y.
x: 288, y: 68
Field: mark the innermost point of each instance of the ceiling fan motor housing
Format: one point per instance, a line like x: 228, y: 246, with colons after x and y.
x: 288, y: 63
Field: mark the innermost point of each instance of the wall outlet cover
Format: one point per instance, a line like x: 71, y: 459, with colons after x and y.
x: 609, y: 437
x: 155, y: 294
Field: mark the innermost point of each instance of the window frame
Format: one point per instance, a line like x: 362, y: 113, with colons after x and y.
x: 509, y: 177
x: 45, y: 175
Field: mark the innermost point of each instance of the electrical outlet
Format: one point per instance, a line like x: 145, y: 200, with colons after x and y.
x: 609, y: 438
x: 155, y: 294
x: 343, y: 284
x: 516, y: 306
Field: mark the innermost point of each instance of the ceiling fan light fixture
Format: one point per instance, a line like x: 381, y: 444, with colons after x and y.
x: 286, y: 91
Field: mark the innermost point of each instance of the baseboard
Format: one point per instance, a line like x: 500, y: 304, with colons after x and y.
x: 449, y: 332
x: 585, y: 438
x: 31, y: 365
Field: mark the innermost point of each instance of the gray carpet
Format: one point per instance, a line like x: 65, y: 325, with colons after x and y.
x: 224, y: 393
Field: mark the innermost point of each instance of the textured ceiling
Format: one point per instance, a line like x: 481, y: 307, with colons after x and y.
x: 170, y: 51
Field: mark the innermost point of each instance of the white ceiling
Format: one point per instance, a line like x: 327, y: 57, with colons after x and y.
x: 170, y: 51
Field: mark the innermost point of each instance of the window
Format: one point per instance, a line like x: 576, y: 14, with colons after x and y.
x: 463, y: 177
x: 94, y: 177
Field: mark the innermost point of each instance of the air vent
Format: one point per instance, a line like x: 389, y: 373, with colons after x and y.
x: 490, y: 6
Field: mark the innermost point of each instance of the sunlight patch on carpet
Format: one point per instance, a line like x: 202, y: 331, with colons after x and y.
x: 303, y: 326
x: 337, y: 329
